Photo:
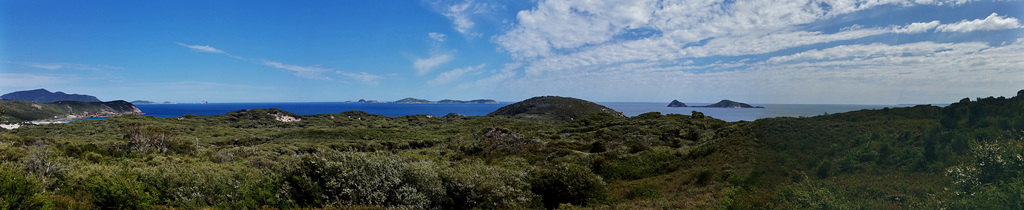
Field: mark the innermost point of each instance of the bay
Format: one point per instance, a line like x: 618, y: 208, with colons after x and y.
x: 394, y: 110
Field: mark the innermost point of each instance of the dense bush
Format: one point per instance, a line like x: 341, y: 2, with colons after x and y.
x: 364, y: 179
x: 568, y: 183
x: 17, y: 192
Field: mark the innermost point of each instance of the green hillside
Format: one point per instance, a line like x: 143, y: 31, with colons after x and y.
x: 19, y: 111
x: 964, y: 156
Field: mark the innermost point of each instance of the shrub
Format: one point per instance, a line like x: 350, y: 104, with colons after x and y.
x: 472, y: 184
x: 17, y: 192
x: 119, y: 192
x: 364, y: 179
x: 568, y: 183
x: 642, y: 191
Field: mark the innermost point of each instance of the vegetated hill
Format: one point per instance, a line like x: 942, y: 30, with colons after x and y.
x: 729, y: 104
x: 45, y: 96
x: 555, y: 107
x: 19, y: 111
x: 142, y: 102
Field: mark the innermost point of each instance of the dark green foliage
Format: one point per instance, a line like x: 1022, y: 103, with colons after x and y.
x: 17, y: 192
x: 568, y: 183
x: 117, y: 192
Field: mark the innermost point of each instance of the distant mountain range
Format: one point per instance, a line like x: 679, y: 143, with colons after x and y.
x: 445, y: 101
x: 45, y: 96
x: 720, y: 104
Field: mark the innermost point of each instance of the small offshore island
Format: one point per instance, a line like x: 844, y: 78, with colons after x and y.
x: 411, y: 100
x: 720, y: 104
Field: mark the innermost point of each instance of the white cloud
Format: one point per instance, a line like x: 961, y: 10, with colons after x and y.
x: 460, y: 15
x: 878, y: 50
x: 453, y: 75
x: 990, y: 23
x: 309, y: 72
x: 201, y: 48
x: 915, y: 28
x: 437, y: 36
x: 872, y: 73
x: 424, y: 65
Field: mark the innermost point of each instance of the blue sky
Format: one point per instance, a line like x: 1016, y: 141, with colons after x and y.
x: 791, y: 51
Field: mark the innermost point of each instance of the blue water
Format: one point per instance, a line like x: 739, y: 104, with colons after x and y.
x: 628, y: 108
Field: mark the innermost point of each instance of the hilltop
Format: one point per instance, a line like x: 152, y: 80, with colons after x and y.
x: 45, y: 96
x: 554, y: 107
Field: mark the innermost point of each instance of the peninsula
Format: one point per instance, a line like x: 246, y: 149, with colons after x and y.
x: 25, y: 111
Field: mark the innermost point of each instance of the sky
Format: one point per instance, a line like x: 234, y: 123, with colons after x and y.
x: 695, y: 51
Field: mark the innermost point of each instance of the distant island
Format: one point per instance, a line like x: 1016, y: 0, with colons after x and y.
x: 45, y: 96
x: 445, y: 101
x: 720, y: 104
x: 364, y: 101
x: 676, y: 103
x: 150, y: 102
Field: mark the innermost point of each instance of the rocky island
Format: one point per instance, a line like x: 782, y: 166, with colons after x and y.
x: 720, y: 104
x: 676, y: 103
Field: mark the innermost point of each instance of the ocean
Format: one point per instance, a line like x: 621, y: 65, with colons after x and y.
x: 387, y: 109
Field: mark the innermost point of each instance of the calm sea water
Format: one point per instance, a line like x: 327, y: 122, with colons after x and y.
x: 628, y: 108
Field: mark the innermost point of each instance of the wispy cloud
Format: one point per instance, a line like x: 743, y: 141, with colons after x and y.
x: 201, y: 48
x: 56, y: 66
x: 437, y: 36
x: 425, y: 65
x: 453, y: 75
x: 990, y: 23
x: 363, y: 77
x: 308, y: 72
x: 461, y: 13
